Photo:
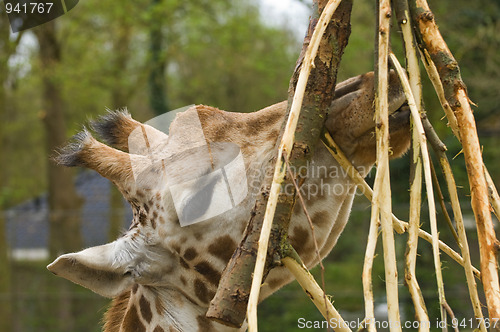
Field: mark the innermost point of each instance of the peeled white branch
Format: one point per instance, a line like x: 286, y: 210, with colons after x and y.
x: 416, y: 174
x: 418, y: 127
x: 399, y: 225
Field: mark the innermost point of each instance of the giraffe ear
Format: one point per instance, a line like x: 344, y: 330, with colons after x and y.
x: 101, y: 269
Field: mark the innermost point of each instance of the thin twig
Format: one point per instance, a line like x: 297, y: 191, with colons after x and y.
x: 371, y: 245
x: 440, y: 196
x: 452, y: 315
x: 399, y: 225
x: 439, y: 148
x: 493, y: 194
x: 428, y: 182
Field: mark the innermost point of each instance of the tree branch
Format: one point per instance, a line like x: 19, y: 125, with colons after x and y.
x: 230, y: 302
x: 381, y: 201
x: 456, y: 96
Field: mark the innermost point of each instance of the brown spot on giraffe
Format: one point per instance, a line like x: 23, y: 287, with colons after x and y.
x: 145, y: 307
x: 158, y: 329
x: 321, y: 218
x: 190, y: 254
x: 198, y: 236
x: 204, y: 324
x: 201, y: 291
x: 208, y: 272
x: 222, y: 248
x: 132, y: 322
x: 142, y: 218
x: 160, y: 308
x: 256, y: 124
x: 299, y: 239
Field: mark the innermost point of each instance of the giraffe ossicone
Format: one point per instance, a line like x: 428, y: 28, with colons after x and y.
x: 192, y: 191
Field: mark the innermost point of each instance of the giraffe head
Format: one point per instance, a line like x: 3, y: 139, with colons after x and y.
x: 162, y: 254
x: 353, y: 98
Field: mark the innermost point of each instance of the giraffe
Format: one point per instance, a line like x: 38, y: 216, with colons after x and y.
x: 162, y: 275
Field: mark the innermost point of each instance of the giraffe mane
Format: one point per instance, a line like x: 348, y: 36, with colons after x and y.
x: 113, y: 317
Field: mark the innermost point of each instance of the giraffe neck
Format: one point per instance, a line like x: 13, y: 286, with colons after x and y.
x: 148, y: 309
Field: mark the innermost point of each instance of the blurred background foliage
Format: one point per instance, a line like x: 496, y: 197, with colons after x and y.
x: 156, y: 55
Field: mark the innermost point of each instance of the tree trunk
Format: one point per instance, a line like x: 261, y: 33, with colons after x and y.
x: 64, y: 202
x: 157, y: 82
x: 120, y: 92
x: 7, y: 48
x: 5, y: 278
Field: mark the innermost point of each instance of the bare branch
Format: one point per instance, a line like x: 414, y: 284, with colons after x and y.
x: 428, y: 181
x: 456, y: 96
x: 412, y: 66
x: 399, y: 225
x: 381, y: 201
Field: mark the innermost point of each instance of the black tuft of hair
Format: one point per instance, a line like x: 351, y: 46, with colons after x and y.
x: 70, y: 155
x: 109, y: 127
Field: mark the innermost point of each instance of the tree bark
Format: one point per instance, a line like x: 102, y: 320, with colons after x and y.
x: 157, y: 82
x: 120, y: 93
x: 7, y: 48
x: 64, y: 202
x: 431, y: 41
x: 230, y: 302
